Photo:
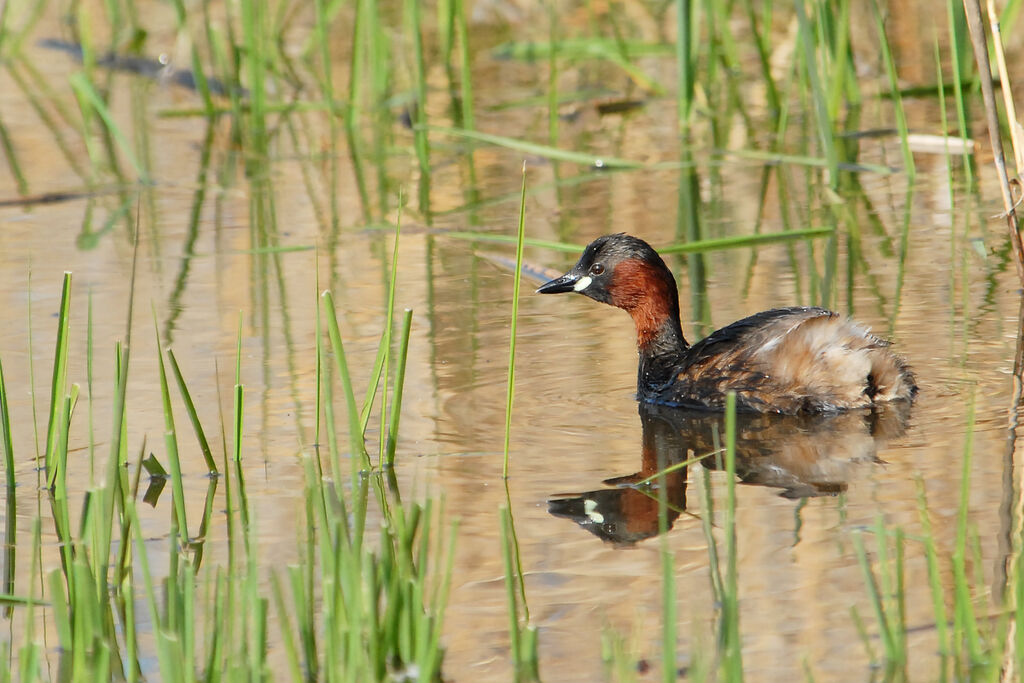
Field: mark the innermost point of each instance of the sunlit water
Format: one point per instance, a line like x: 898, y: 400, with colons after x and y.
x: 949, y: 303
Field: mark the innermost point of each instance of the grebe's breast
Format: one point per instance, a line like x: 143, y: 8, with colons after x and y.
x: 789, y: 360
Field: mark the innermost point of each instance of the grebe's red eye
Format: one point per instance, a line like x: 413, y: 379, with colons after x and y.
x: 596, y: 269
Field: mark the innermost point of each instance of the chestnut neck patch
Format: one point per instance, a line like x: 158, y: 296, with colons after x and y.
x: 647, y: 294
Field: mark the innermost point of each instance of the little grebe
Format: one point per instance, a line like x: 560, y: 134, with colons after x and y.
x: 786, y: 360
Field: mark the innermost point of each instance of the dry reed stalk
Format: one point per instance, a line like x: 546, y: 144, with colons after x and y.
x: 1008, y: 668
x: 972, y: 8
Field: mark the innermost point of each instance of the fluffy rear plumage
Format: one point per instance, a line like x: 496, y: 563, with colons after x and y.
x: 790, y: 360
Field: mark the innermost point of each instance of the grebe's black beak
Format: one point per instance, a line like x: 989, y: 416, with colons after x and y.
x: 566, y: 283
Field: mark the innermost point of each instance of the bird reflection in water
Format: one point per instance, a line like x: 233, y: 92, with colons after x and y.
x: 802, y: 455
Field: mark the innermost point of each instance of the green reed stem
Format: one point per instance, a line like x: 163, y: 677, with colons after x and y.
x: 965, y: 623
x: 895, y: 630
x: 356, y: 442
x: 193, y: 414
x: 523, y: 636
x: 254, y: 43
x: 31, y: 654
x: 5, y: 431
x: 381, y: 60
x: 446, y: 29
x: 511, y: 600
x: 4, y: 10
x: 380, y: 365
x: 960, y: 63
x: 841, y: 79
x: 944, y: 122
x: 517, y: 278
x: 116, y: 477
x: 326, y: 401
x: 732, y: 662
x: 88, y: 384
x: 202, y: 85
x: 389, y: 324
x: 552, y: 96
x: 88, y: 95
x: 11, y: 155
x: 319, y: 369
x: 399, y: 386
x: 58, y: 382
x: 465, y: 68
x: 171, y: 441
x: 414, y: 19
x: 874, y: 592
x: 1018, y: 612
x: 290, y: 648
x: 321, y: 26
x: 59, y: 491
x: 824, y: 122
x: 321, y: 31
x: 763, y: 56
x: 11, y: 37
x: 669, y: 617
x: 897, y: 100
x: 934, y: 576
x: 685, y: 62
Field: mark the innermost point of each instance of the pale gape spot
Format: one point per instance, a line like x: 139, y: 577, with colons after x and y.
x: 590, y: 508
x: 582, y: 283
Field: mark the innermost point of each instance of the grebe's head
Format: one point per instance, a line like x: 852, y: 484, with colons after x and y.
x: 620, y: 270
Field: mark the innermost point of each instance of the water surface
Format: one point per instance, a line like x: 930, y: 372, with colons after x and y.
x: 918, y: 261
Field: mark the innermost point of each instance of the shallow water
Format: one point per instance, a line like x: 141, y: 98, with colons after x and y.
x: 921, y: 264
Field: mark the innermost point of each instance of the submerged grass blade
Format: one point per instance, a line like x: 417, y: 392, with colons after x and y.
x: 523, y: 637
x: 707, y: 245
x: 579, y: 48
x: 677, y: 466
x: 545, y: 151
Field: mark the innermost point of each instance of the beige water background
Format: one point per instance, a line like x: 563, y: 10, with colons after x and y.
x: 951, y: 309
